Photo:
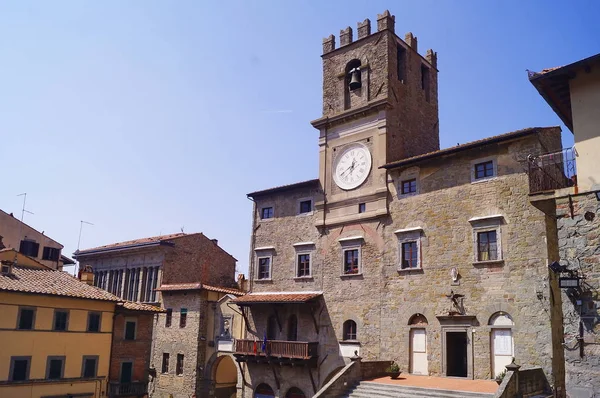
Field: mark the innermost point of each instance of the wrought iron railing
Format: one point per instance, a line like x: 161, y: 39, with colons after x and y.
x: 276, y: 348
x: 138, y: 388
x: 552, y: 171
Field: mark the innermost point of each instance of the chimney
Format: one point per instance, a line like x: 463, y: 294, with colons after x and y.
x: 345, y: 36
x: 364, y: 28
x: 86, y: 275
x: 215, y: 241
x: 242, y: 282
x: 386, y: 21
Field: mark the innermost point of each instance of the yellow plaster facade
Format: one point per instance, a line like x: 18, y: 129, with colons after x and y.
x: 42, y: 342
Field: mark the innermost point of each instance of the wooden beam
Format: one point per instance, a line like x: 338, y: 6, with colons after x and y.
x: 312, y: 380
x: 275, y: 376
x: 242, y: 372
x: 245, y: 316
x: 312, y: 315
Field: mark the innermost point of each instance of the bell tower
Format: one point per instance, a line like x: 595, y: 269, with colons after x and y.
x: 379, y: 95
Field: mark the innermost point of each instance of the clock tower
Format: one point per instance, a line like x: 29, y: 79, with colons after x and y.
x: 379, y: 106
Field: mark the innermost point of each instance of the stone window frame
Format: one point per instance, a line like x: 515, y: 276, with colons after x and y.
x: 62, y: 369
x: 127, y: 360
x: 57, y: 310
x: 12, y: 366
x: 477, y: 161
x: 407, y: 235
x: 299, y: 201
x: 264, y: 252
x: 21, y: 308
x: 164, y: 363
x: 125, y: 321
x: 347, y: 244
x: 300, y: 249
x: 260, y: 213
x: 347, y: 322
x: 408, y: 174
x: 179, y: 371
x: 87, y: 328
x: 85, y: 358
x: 487, y: 224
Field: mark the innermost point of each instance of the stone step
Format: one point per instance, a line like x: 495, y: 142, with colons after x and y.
x: 367, y: 389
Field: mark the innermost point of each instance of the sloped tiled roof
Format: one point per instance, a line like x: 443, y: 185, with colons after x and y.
x: 302, y: 184
x: 131, y: 305
x: 199, y: 286
x: 276, y: 297
x: 152, y: 239
x: 51, y: 282
x: 468, y: 145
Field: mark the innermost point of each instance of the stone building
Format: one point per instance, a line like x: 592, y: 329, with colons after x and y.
x: 565, y: 184
x: 400, y: 250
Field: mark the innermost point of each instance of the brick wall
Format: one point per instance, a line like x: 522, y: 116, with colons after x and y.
x: 137, y: 350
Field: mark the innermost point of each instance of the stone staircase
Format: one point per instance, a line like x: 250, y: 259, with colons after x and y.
x: 366, y: 389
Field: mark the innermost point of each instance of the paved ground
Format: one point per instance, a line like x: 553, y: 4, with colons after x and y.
x: 446, y: 383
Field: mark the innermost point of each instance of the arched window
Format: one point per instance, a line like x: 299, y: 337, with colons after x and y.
x: 349, y: 330
x: 292, y: 328
x: 263, y: 391
x: 272, y: 328
x: 295, y: 392
x: 353, y: 75
x: 418, y: 320
x: 502, y: 347
x: 501, y: 319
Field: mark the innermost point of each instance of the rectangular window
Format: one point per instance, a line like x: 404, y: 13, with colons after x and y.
x: 484, y: 169
x: 29, y: 248
x: 410, y: 255
x: 351, y: 261
x: 264, y: 267
x: 425, y: 81
x: 19, y: 368
x: 409, y: 186
x: 183, y: 317
x: 266, y: 213
x: 303, y: 265
x: 61, y: 319
x: 130, y: 330
x: 89, y: 366
x: 179, y: 368
x: 55, y: 368
x: 94, y: 322
x: 51, y: 253
x: 305, y: 206
x: 401, y: 59
x: 169, y: 318
x: 487, y: 248
x: 165, y: 362
x: 126, y: 372
x: 362, y: 207
x: 26, y: 319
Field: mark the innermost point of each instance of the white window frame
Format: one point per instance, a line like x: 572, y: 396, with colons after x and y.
x: 309, y: 213
x: 409, y: 174
x: 487, y: 224
x: 475, y: 162
x: 261, y: 212
x: 258, y: 257
x: 357, y: 244
x: 409, y: 235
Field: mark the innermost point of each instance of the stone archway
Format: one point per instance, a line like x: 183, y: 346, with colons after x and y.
x: 225, y: 377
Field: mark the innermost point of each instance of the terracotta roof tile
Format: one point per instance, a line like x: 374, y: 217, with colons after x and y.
x: 131, y: 305
x: 133, y: 242
x: 276, y: 297
x: 198, y: 286
x: 51, y: 282
x: 468, y: 145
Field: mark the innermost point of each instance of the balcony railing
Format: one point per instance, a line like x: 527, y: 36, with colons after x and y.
x: 552, y: 171
x: 278, y: 349
x: 134, y: 389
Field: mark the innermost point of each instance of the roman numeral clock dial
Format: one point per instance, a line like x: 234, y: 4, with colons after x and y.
x: 352, y: 166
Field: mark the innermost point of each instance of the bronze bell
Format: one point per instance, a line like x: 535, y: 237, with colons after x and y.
x: 355, y: 79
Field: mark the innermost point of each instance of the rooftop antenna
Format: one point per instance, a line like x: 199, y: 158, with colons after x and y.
x: 79, y: 242
x: 23, y: 211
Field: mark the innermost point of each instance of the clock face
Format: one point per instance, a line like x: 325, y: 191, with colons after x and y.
x: 352, y: 166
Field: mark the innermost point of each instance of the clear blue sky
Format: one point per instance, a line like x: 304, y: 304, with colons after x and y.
x: 143, y: 117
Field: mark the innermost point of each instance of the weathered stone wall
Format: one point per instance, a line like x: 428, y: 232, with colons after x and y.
x: 578, y: 220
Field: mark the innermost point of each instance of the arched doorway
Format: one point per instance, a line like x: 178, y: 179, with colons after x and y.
x: 225, y: 377
x: 418, y: 345
x: 295, y: 392
x: 263, y: 391
x: 502, y: 345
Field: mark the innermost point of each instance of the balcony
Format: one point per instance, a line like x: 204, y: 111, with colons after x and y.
x: 552, y: 171
x: 281, y: 352
x: 134, y: 389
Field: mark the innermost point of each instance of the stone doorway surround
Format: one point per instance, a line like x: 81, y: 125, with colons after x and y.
x: 454, y: 324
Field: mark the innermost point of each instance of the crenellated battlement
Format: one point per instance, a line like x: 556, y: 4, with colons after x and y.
x: 385, y: 21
